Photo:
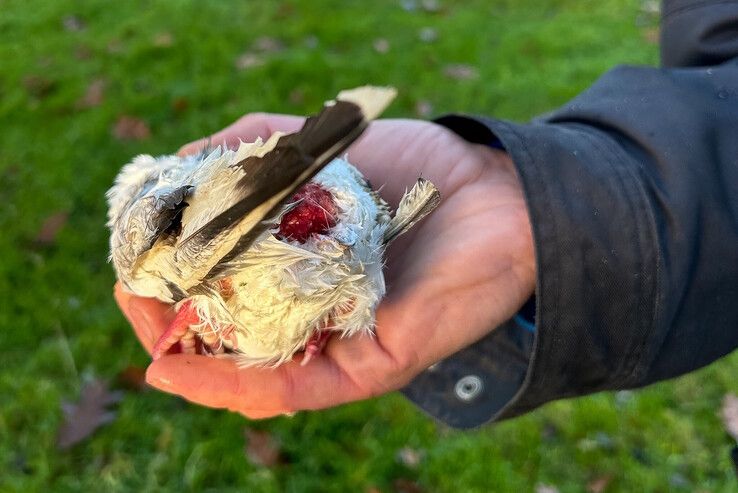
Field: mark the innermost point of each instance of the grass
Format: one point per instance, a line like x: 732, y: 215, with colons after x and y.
x: 173, y: 65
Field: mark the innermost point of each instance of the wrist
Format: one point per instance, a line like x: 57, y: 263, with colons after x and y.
x: 520, y: 244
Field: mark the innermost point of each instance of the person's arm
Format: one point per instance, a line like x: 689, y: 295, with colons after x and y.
x: 632, y: 190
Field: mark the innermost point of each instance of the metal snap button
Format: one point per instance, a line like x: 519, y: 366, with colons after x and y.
x: 468, y: 388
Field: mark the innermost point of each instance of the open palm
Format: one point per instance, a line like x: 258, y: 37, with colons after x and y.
x: 451, y: 280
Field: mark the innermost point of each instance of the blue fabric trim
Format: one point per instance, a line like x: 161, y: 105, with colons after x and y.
x: 524, y: 324
x: 496, y: 144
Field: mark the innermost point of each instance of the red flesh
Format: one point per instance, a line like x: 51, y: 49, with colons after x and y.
x: 315, y: 213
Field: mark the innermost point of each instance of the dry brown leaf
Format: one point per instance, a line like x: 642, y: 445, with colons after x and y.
x: 729, y: 414
x: 131, y: 128
x: 599, y: 484
x: 88, y: 414
x: 38, y: 86
x: 460, y: 71
x: 50, y: 228
x: 403, y: 485
x: 133, y: 378
x: 94, y: 95
x: 180, y: 105
x: 285, y: 10
x: 261, y: 448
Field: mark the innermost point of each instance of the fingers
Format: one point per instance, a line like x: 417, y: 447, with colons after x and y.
x: 247, y: 129
x: 148, y: 317
x: 255, y: 392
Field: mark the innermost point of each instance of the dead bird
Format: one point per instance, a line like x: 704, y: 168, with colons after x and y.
x: 265, y: 250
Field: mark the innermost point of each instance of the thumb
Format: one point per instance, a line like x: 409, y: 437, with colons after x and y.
x: 205, y: 380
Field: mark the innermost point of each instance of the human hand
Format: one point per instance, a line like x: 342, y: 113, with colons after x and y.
x: 453, y: 278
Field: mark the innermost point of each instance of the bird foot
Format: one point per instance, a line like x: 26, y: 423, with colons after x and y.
x: 178, y: 332
x: 315, y: 345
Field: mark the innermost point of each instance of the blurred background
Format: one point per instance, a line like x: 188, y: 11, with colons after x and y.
x: 86, y: 85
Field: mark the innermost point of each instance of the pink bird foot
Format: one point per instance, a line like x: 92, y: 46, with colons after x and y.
x: 178, y: 332
x: 315, y: 345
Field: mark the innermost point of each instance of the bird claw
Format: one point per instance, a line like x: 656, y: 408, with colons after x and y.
x: 178, y: 332
x: 315, y: 345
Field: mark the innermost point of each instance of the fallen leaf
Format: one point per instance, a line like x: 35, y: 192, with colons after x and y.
x: 381, y: 45
x: 38, y: 86
x: 599, y: 484
x: 73, y: 23
x: 546, y: 488
x: 248, y: 60
x: 180, y: 105
x: 94, y: 94
x: 403, y: 485
x: 285, y: 10
x: 409, y: 457
x: 50, y: 228
x: 133, y: 378
x: 460, y: 71
x: 261, y: 448
x: 729, y: 414
x: 163, y: 40
x: 83, y: 418
x: 131, y: 128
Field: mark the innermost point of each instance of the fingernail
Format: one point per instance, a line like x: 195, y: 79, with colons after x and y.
x: 158, y: 382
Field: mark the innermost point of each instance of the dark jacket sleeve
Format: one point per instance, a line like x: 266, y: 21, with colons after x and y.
x: 632, y: 189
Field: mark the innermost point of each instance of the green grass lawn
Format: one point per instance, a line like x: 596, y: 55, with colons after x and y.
x: 187, y: 68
